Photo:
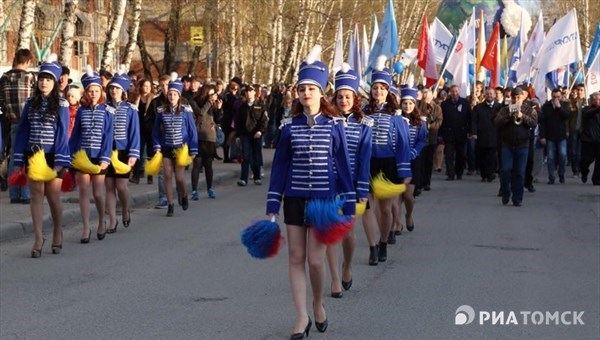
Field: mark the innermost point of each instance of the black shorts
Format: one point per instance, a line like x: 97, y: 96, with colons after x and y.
x: 388, y: 167
x: 293, y: 211
x: 49, y: 158
x: 168, y: 153
x: 123, y: 157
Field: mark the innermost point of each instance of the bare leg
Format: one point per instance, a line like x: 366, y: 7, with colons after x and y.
x: 316, y: 264
x: 98, y: 192
x: 168, y: 174
x: 83, y: 182
x: 180, y: 180
x: 36, y: 207
x: 111, y: 202
x: 52, y: 190
x: 409, y: 201
x: 123, y: 192
x: 439, y: 157
x: 297, y: 274
x: 332, y: 261
x: 385, y: 211
x: 348, y: 245
x: 370, y: 222
x: 397, y: 212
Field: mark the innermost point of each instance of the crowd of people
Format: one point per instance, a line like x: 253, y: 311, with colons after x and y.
x: 328, y: 146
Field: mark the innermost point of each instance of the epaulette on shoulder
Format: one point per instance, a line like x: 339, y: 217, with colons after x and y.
x: 340, y: 120
x: 285, y: 121
x: 133, y: 107
x: 368, y: 121
x: 406, y: 119
x: 398, y: 113
x: 160, y: 109
x: 187, y: 107
x: 111, y: 109
x: 62, y: 102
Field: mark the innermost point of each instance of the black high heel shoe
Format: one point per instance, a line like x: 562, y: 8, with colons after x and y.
x: 36, y: 253
x: 87, y: 239
x: 126, y: 222
x: 346, y: 284
x: 322, y: 326
x: 101, y: 235
x: 57, y: 248
x: 113, y: 230
x: 297, y: 336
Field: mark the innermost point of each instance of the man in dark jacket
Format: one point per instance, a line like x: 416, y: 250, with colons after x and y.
x: 433, y: 113
x: 514, y: 122
x: 553, y: 134
x: 251, y: 123
x: 484, y: 131
x: 228, y: 121
x: 590, y: 139
x: 456, y: 115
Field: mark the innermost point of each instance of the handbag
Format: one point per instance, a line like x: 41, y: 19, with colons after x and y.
x: 220, y: 136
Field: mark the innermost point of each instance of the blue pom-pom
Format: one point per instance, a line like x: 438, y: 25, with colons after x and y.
x: 324, y: 216
x: 262, y: 239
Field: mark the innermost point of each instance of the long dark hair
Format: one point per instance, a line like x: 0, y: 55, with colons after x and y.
x: 356, y: 107
x: 167, y: 105
x: 392, y: 102
x: 414, y: 118
x: 203, y: 96
x: 326, y: 109
x: 53, y: 97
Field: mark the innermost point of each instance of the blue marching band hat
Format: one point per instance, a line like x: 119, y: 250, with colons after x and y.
x: 313, y: 71
x: 381, y: 74
x: 121, y: 79
x: 90, y: 78
x: 409, y: 93
x: 51, y: 67
x: 175, y: 84
x: 347, y: 79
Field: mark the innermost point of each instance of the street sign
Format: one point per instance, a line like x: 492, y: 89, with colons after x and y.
x: 196, y: 36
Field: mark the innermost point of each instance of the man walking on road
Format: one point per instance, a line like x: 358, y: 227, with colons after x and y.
x: 553, y: 134
x: 456, y: 115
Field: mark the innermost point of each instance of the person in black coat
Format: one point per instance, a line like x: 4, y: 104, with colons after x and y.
x: 457, y: 114
x: 590, y: 139
x: 228, y: 121
x: 485, y: 132
x: 553, y: 134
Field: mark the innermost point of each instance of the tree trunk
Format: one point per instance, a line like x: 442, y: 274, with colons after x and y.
x: 26, y: 25
x: 254, y: 60
x: 274, y: 26
x: 194, y: 60
x: 240, y: 53
x: 68, y: 31
x: 293, y: 46
x: 3, y: 43
x: 279, y: 42
x: 132, y: 31
x: 325, y: 23
x: 147, y: 60
x: 171, y: 37
x: 232, y: 40
x: 113, y: 34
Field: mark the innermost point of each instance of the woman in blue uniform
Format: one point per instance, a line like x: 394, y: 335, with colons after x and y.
x: 127, y: 143
x: 174, y: 127
x: 417, y: 130
x: 358, y: 137
x: 44, y: 124
x: 93, y: 132
x: 310, y: 162
x: 390, y: 155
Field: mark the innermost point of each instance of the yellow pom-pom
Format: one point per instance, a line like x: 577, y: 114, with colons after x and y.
x: 182, y: 156
x: 38, y: 169
x: 120, y: 167
x: 360, y: 208
x: 384, y: 189
x: 154, y: 164
x: 82, y: 163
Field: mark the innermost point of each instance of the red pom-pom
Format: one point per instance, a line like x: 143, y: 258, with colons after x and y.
x: 334, y: 233
x: 18, y: 178
x: 67, y: 181
x: 276, y: 245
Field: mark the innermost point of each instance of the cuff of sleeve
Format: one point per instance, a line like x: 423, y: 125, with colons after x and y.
x: 273, y: 207
x: 349, y: 208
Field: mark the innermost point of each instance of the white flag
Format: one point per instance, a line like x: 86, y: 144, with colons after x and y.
x: 593, y: 78
x: 338, y: 55
x: 561, y: 46
x: 458, y: 61
x: 533, y: 46
x: 441, y: 38
x: 364, y: 52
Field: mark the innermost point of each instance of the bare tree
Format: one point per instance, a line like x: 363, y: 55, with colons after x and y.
x: 3, y: 44
x: 171, y: 37
x: 132, y: 31
x: 147, y: 61
x: 113, y: 33
x: 292, y: 51
x: 68, y: 31
x: 26, y: 25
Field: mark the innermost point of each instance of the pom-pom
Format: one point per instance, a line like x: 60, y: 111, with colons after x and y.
x: 68, y: 183
x: 89, y: 71
x: 52, y: 57
x: 120, y: 167
x: 361, y: 207
x: 262, y: 239
x: 314, y: 55
x: 122, y: 69
x: 329, y: 225
x: 154, y: 164
x: 82, y: 162
x: 182, y: 156
x: 511, y: 17
x: 18, y: 178
x: 384, y: 189
x: 174, y: 76
x: 38, y: 169
x: 345, y: 67
x: 380, y: 63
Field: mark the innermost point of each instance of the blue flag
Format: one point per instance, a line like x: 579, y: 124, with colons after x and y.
x: 514, y: 61
x: 387, y: 40
x: 593, y: 48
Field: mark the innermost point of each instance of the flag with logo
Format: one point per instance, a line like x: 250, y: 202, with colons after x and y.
x: 533, y: 45
x: 515, y: 61
x: 593, y: 77
x: 387, y: 39
x: 561, y: 46
x: 457, y: 64
x: 442, y: 39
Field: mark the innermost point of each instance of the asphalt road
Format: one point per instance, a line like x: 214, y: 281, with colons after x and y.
x: 188, y: 277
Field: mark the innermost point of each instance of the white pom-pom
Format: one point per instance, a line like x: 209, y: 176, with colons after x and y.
x: 174, y: 76
x: 89, y: 71
x: 380, y: 63
x: 122, y: 69
x: 411, y: 81
x: 511, y: 18
x: 345, y: 67
x: 52, y: 57
x: 314, y: 55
